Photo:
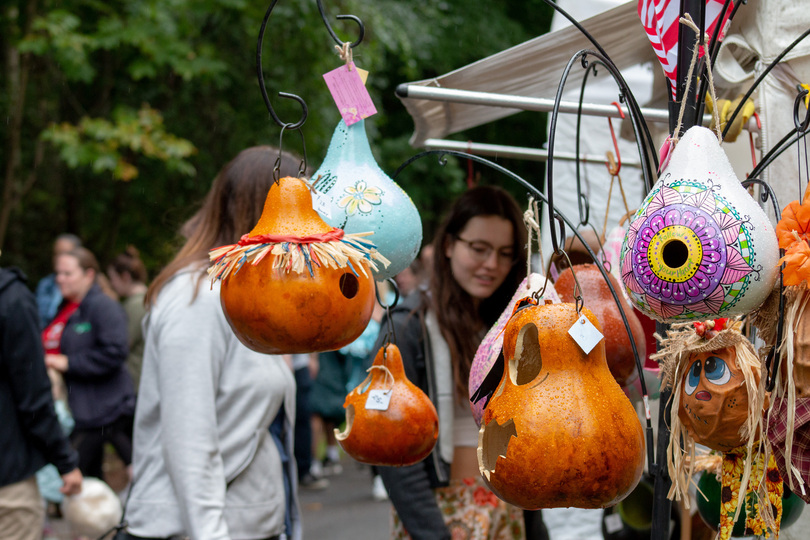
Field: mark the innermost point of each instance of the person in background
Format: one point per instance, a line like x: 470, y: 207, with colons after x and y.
x: 47, y: 291
x: 127, y: 275
x: 213, y: 456
x: 30, y: 434
x: 87, y: 343
x: 305, y: 368
x: 479, y: 260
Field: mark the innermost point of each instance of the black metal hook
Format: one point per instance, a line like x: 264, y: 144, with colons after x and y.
x: 262, y: 87
x: 362, y: 27
x: 390, y: 335
x: 801, y: 123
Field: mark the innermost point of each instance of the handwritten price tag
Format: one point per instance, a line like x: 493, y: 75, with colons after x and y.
x: 350, y: 94
x: 585, y: 334
x: 378, y: 399
x: 321, y: 205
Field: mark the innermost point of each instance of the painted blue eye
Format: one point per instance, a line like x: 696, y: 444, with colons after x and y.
x: 717, y: 371
x: 692, y: 378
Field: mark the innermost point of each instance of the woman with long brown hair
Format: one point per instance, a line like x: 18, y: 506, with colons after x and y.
x: 205, y: 462
x: 479, y: 261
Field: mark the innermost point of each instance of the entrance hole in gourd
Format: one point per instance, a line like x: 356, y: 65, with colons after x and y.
x: 527, y: 363
x: 342, y: 436
x: 494, y: 442
x: 675, y: 254
x: 349, y: 285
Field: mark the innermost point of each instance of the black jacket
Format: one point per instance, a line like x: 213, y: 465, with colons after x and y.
x: 30, y: 434
x: 95, y: 340
x: 411, y: 488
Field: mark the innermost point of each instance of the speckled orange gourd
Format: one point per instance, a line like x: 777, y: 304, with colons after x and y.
x: 596, y: 294
x: 558, y: 431
x: 277, y: 311
x: 403, y: 434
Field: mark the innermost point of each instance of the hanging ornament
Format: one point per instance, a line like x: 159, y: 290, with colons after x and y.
x: 788, y: 419
x: 717, y: 401
x: 483, y: 378
x: 596, y: 294
x: 294, y: 284
x: 558, y: 431
x: 389, y: 420
x: 699, y: 247
x: 354, y: 194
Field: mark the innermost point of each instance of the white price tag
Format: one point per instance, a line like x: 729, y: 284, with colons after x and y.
x: 378, y: 399
x: 321, y: 205
x: 613, y: 523
x: 585, y: 334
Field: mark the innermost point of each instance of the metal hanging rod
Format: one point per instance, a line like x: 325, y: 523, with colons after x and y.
x: 518, y: 152
x: 432, y: 93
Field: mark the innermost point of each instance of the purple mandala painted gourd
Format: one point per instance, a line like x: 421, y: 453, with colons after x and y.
x: 699, y: 247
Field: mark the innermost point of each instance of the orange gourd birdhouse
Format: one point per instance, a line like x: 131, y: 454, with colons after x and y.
x: 389, y: 421
x: 595, y: 292
x: 294, y: 284
x: 559, y: 430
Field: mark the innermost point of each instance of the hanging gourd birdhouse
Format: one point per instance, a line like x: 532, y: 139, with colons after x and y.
x: 487, y: 366
x: 294, y: 284
x: 389, y: 421
x: 596, y: 294
x: 717, y: 401
x: 699, y: 247
x: 354, y: 194
x: 559, y: 431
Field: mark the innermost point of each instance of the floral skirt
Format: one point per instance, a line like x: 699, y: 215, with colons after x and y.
x: 472, y: 512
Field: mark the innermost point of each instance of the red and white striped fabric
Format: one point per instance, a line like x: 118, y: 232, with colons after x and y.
x: 660, y: 20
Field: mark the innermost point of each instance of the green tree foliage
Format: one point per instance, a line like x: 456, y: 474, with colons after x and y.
x: 119, y: 113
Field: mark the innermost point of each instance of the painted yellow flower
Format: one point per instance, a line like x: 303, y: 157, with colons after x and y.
x: 360, y: 198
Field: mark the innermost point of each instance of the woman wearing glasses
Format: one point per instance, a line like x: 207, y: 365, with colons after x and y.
x: 479, y: 261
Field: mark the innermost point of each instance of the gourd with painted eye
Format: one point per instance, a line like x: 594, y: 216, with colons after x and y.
x: 294, y: 284
x: 699, y: 246
x: 714, y: 399
x: 558, y: 431
x: 402, y: 431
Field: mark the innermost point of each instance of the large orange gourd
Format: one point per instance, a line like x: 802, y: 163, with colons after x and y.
x: 402, y: 434
x: 559, y: 431
x: 596, y: 294
x: 275, y: 308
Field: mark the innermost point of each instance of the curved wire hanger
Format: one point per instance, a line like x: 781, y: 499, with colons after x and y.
x: 299, y: 99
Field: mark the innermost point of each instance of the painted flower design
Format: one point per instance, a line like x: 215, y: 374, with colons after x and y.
x: 360, y: 197
x: 680, y: 252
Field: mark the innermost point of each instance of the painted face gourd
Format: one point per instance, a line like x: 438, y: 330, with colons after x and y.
x: 293, y: 285
x: 596, y: 294
x: 699, y: 247
x: 714, y: 399
x: 558, y: 431
x: 404, y: 432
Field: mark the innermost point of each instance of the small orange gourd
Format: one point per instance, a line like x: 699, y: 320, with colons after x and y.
x: 302, y: 294
x: 596, y: 294
x: 558, y: 431
x: 402, y: 434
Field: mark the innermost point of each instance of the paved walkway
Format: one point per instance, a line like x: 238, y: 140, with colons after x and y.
x: 343, y: 511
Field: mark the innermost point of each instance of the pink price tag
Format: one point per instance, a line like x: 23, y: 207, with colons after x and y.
x: 350, y: 94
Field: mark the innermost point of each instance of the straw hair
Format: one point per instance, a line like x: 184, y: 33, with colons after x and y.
x: 681, y: 342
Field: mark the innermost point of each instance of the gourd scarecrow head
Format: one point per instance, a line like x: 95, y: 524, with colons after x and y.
x: 717, y: 401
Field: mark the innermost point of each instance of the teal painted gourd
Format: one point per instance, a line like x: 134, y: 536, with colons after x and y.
x: 354, y: 194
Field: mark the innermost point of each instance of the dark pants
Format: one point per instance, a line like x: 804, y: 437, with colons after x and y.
x: 89, y: 443
x: 302, y: 431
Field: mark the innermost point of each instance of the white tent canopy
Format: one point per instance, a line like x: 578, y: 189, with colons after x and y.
x: 530, y: 69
